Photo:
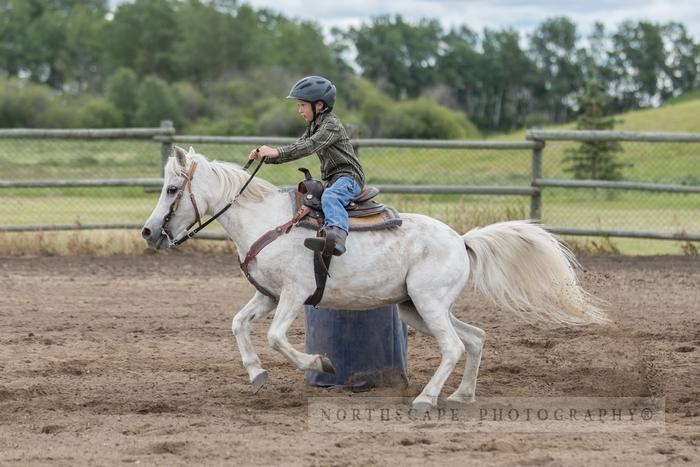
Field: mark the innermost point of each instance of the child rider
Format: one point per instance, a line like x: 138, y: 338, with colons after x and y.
x: 340, y: 167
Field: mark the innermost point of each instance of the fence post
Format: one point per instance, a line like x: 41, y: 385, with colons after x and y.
x: 166, y: 146
x: 536, y: 197
x: 353, y: 133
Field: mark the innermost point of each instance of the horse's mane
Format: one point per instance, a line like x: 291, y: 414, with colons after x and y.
x: 231, y: 176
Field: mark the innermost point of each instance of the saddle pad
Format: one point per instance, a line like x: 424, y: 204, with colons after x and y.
x: 387, y: 219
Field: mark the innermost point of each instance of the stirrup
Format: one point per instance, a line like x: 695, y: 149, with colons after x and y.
x: 315, y: 243
x: 327, y: 245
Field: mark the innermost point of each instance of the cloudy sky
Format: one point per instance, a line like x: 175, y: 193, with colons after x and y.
x: 523, y: 15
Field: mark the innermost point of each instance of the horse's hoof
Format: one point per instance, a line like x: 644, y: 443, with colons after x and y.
x: 327, y: 366
x: 259, y: 381
x: 422, y: 407
x: 459, y: 399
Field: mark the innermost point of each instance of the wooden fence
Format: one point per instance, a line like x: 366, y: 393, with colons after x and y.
x: 535, y: 142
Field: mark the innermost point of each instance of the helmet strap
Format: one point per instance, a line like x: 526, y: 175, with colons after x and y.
x: 316, y: 114
x: 325, y: 109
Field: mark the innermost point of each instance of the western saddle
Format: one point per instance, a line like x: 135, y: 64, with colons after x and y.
x: 363, y: 211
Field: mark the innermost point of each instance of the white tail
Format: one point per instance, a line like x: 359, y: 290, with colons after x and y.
x: 525, y: 269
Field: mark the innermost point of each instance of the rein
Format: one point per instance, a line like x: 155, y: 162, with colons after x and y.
x: 187, y: 184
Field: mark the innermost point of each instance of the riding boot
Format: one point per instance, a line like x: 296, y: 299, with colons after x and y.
x: 339, y: 235
x: 335, y: 239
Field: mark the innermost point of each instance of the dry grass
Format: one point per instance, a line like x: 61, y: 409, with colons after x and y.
x: 583, y: 246
x: 459, y: 214
x: 689, y: 249
x: 94, y: 242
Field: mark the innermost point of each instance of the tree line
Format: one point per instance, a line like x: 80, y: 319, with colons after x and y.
x: 220, y: 66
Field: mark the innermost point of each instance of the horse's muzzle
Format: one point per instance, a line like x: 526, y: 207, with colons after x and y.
x: 154, y: 239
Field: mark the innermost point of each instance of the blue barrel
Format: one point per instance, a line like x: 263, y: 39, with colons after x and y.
x: 367, y: 348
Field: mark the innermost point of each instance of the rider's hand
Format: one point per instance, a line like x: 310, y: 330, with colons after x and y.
x: 254, y: 154
x: 263, y: 151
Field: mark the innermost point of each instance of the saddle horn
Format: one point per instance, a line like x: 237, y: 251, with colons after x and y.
x: 307, y: 174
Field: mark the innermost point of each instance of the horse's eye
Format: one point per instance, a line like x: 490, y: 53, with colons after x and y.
x: 172, y: 190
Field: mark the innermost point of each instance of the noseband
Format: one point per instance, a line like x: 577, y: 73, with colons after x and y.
x: 186, y: 185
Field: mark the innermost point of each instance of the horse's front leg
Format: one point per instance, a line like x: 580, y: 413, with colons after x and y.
x: 291, y: 301
x: 258, y: 307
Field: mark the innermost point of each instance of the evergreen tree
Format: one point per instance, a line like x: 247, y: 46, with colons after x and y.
x: 594, y: 160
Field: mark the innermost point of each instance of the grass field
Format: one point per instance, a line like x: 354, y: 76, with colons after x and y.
x: 678, y: 163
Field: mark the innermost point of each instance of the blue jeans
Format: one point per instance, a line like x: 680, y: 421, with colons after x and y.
x: 334, y: 200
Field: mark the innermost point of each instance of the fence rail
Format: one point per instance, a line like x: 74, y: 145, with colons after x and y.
x: 359, y: 142
x: 107, y: 133
x: 659, y: 187
x: 626, y: 234
x: 602, y: 135
x: 458, y: 190
x: 535, y: 144
x: 143, y: 182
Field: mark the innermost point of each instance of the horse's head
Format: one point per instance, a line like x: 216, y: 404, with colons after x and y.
x: 182, y: 200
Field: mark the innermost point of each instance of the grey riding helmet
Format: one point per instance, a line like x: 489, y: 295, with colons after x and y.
x: 313, y: 89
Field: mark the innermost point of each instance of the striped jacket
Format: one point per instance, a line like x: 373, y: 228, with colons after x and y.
x: 329, y: 140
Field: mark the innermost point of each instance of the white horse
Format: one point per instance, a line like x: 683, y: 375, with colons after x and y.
x: 422, y: 266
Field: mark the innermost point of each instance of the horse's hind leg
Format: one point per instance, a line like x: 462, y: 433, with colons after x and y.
x: 258, y: 307
x: 287, y: 309
x: 436, y: 317
x: 473, y: 340
x: 409, y: 315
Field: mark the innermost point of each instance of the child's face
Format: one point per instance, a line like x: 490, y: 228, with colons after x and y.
x: 304, y: 109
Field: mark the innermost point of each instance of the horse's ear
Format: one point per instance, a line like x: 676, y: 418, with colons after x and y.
x: 180, y: 156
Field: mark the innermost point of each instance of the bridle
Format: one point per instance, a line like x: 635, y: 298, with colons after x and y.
x: 187, y: 185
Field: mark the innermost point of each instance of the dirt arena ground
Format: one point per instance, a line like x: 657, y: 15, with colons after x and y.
x: 130, y: 360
